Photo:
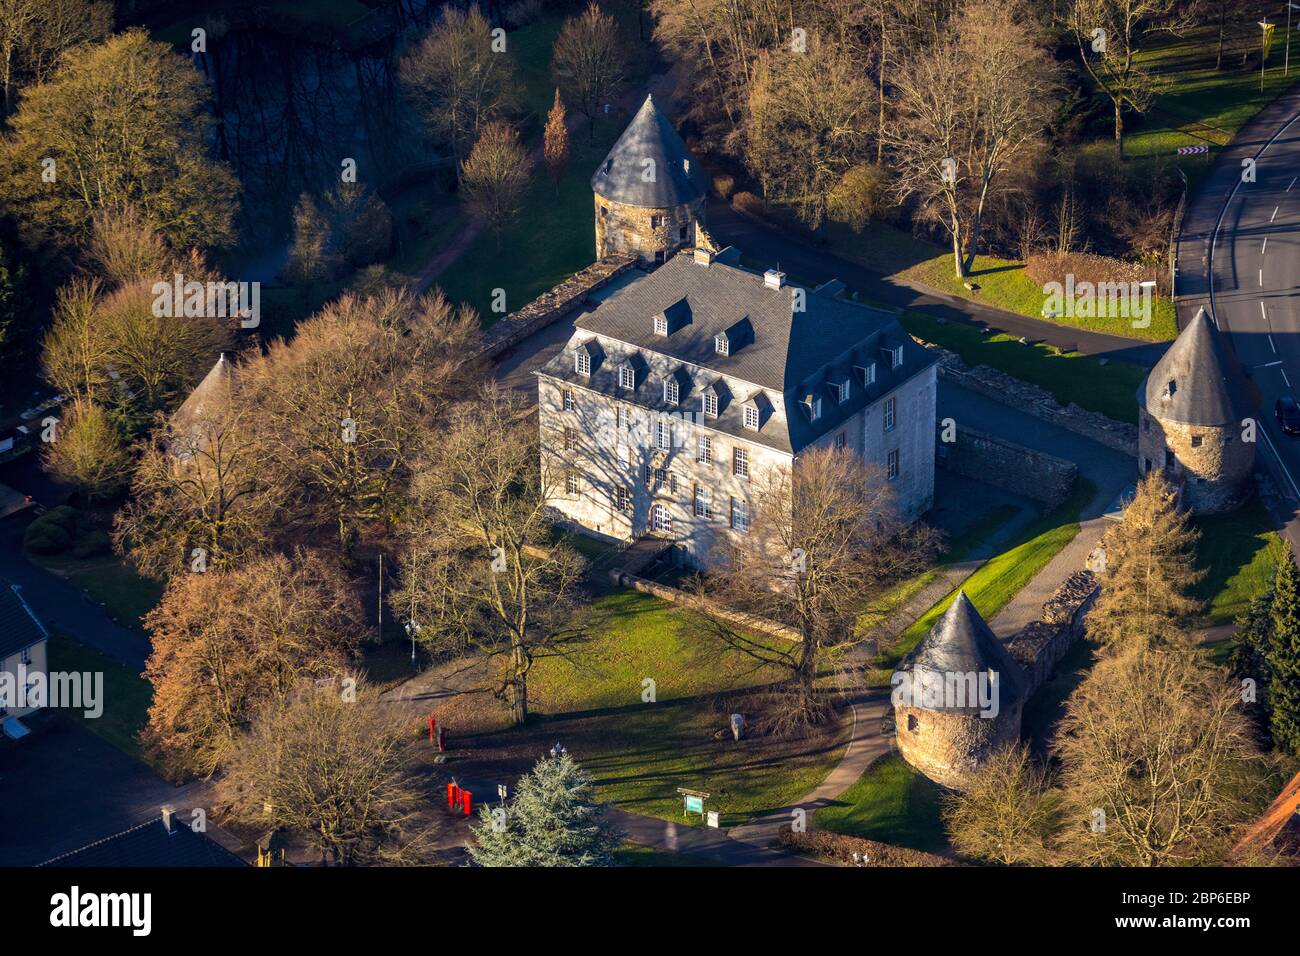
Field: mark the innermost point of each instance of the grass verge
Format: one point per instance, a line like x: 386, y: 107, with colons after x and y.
x: 1239, y: 552
x: 126, y: 695
x: 1108, y: 387
x: 891, y: 803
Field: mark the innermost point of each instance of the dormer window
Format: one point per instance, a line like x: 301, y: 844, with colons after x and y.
x: 868, y: 374
x: 812, y: 404
x: 895, y: 356
x: 671, y: 391
x: 841, y: 390
x: 626, y: 376
x: 1170, y: 389
x: 710, y: 404
x: 720, y: 345
x: 661, y: 324
x: 751, y: 417
x: 582, y: 362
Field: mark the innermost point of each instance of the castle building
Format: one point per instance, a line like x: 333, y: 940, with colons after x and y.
x: 649, y: 191
x: 1197, y: 414
x: 693, y: 386
x: 957, y: 697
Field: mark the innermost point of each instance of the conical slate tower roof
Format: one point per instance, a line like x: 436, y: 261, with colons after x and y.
x: 961, y: 644
x: 1199, y: 381
x: 208, y: 398
x: 674, y: 178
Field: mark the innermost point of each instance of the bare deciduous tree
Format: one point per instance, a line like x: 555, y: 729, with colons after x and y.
x: 495, y: 176
x: 1006, y: 814
x: 589, y: 62
x: 226, y: 641
x: 1157, y: 763
x: 457, y: 81
x: 335, y: 767
x: 88, y: 452
x: 34, y: 33
x: 821, y: 544
x: 482, y: 569
x: 968, y: 110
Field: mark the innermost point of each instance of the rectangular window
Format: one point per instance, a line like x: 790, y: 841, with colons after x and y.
x: 570, y: 439
x: 662, y: 479
x: 704, y: 449
x: 869, y: 375
x: 891, y: 413
x: 568, y: 400
x: 893, y: 464
x: 661, y: 325
x: 622, y: 417
x: 622, y: 499
x: 670, y: 391
x: 711, y: 404
x: 896, y: 356
x: 1196, y: 441
x: 571, y: 483
x: 751, y: 417
x: 582, y: 363
x: 627, y: 377
x: 681, y: 234
x: 740, y: 462
x: 703, y: 505
x: 663, y: 436
x: 740, y: 515
x: 840, y: 440
x: 656, y: 222
x: 625, y: 456
x: 842, y: 391
x: 26, y: 656
x: 720, y: 344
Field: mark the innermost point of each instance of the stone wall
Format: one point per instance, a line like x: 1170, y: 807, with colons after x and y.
x: 948, y: 747
x: 1039, y: 647
x: 1213, y: 464
x: 1036, y: 401
x: 1015, y: 468
x: 552, y: 306
x: 650, y: 234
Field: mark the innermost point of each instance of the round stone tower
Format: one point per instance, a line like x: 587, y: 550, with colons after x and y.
x: 1196, y: 409
x: 957, y: 697
x: 649, y: 191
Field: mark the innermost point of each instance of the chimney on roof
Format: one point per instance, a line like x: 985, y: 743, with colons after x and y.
x: 774, y: 279
x: 169, y: 817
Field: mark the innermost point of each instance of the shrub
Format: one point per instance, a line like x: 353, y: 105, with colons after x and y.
x: 47, y: 537
x: 723, y: 184
x: 840, y: 849
x: 92, y: 543
x: 1087, y: 267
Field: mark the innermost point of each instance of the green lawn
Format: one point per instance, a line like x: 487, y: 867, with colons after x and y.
x: 126, y: 695
x: 1110, y: 389
x: 1240, y: 551
x: 1003, y: 283
x: 891, y: 803
x: 109, y: 581
x: 1000, y: 578
x: 1202, y: 104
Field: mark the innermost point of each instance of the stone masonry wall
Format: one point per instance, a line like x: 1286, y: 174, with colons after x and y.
x: 552, y: 306
x: 1035, y: 401
x: 1013, y: 467
x: 1213, y: 464
x: 630, y: 230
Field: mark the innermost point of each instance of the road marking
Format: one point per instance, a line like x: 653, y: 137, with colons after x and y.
x: 1274, y: 348
x: 1262, y: 313
x: 1284, y: 378
x: 1293, y: 179
x: 1261, y: 276
x: 1269, y: 364
x: 1285, y: 470
x: 1264, y: 248
x: 1274, y: 216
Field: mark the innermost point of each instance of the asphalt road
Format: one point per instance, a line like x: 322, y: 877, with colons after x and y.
x: 1240, y: 258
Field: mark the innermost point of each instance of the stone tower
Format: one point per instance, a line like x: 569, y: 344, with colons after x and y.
x: 1191, y: 410
x: 649, y: 191
x: 957, y: 697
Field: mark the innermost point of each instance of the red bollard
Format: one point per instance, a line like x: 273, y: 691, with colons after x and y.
x: 453, y: 795
x: 467, y: 802
x: 431, y: 726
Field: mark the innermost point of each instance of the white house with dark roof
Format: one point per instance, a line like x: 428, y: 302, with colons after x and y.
x: 679, y: 393
x: 23, y: 641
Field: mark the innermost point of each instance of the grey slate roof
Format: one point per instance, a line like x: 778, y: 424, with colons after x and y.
x: 778, y: 351
x: 208, y: 397
x: 961, y: 643
x: 19, y: 628
x: 1199, y: 381
x: 149, y: 844
x: 677, y: 178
